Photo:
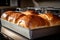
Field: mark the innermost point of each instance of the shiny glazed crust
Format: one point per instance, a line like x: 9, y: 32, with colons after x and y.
x: 32, y: 20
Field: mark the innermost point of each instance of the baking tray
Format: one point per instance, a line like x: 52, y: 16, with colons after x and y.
x: 31, y: 34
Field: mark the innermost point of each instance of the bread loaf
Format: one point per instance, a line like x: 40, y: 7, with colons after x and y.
x: 53, y: 19
x: 32, y: 22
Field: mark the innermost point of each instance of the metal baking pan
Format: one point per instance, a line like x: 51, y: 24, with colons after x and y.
x: 31, y: 34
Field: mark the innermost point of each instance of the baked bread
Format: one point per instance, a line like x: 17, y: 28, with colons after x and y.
x: 15, y: 15
x: 18, y: 19
x: 6, y: 14
x: 32, y: 22
x: 30, y: 12
x: 53, y: 19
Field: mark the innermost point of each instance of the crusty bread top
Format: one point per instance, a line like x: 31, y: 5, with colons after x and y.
x: 32, y: 21
x: 6, y: 14
x: 53, y: 19
x: 30, y: 12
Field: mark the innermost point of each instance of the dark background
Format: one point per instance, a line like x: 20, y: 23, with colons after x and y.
x: 3, y: 2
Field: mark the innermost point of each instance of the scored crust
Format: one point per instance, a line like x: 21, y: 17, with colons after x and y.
x: 32, y: 22
x: 53, y: 19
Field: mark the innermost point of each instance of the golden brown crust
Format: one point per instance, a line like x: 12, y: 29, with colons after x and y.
x: 23, y: 21
x: 17, y: 20
x: 15, y: 15
x: 30, y: 12
x: 6, y: 14
x: 38, y: 22
x: 32, y: 22
x: 53, y: 19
